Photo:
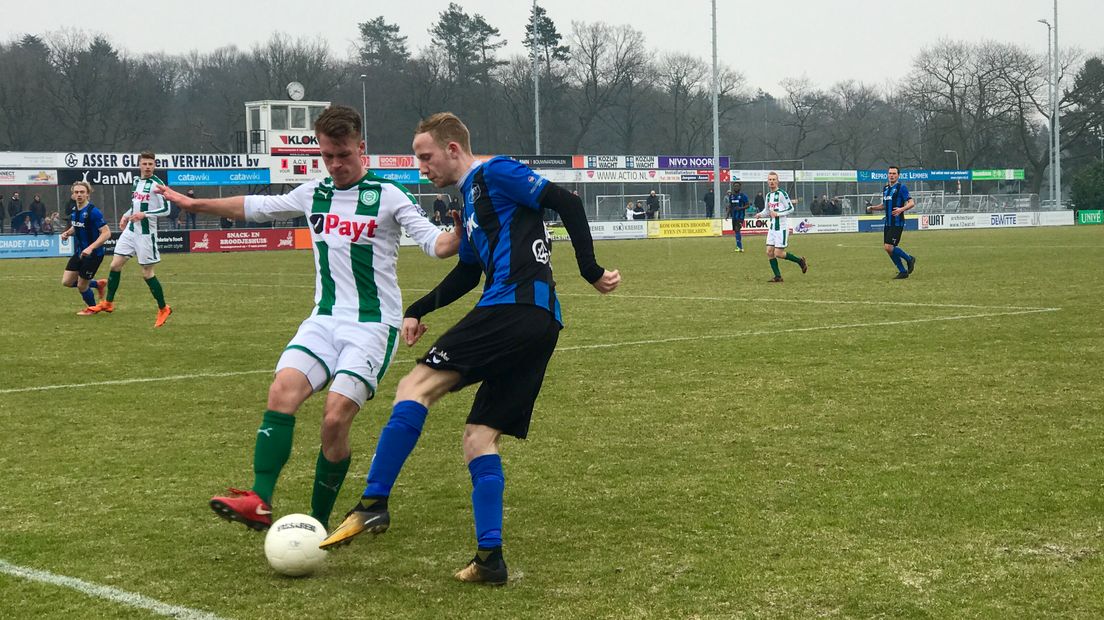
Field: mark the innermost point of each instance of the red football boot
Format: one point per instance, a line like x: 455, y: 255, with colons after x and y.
x: 245, y: 507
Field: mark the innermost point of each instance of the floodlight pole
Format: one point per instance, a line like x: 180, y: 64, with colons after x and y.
x: 1050, y: 112
x: 1057, y: 116
x: 716, y: 121
x: 536, y: 82
x: 957, y: 166
x: 364, y: 107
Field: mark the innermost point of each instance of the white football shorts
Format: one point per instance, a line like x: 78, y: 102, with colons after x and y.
x: 778, y: 238
x: 361, y: 351
x: 142, y: 246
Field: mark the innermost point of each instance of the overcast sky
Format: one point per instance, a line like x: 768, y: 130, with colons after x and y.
x: 767, y: 41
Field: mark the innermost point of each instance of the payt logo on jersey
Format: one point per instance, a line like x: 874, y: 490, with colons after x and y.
x: 331, y: 223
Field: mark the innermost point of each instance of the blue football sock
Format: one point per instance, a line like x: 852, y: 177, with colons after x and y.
x: 897, y: 261
x: 739, y: 240
x: 488, y: 483
x: 88, y: 297
x: 901, y: 254
x: 396, y: 442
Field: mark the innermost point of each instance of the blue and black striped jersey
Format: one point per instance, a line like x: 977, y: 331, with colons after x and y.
x: 505, y: 235
x: 86, y: 223
x: 893, y: 197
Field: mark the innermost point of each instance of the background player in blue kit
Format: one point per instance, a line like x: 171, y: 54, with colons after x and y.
x: 895, y: 202
x: 738, y: 202
x: 89, y: 232
x: 505, y: 342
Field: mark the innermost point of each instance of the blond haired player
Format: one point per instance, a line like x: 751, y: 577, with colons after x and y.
x: 778, y: 207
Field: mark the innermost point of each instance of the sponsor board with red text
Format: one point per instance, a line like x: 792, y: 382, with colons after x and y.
x: 243, y: 240
x: 391, y: 161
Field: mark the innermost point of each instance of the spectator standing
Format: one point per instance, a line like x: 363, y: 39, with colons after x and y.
x: 191, y: 214
x: 708, y: 199
x: 15, y: 207
x: 653, y: 205
x: 174, y: 216
x: 1, y: 213
x: 38, y: 214
x: 440, y: 211
x: 760, y: 202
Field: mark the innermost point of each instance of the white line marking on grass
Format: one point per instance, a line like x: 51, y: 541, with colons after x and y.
x: 1010, y: 312
x: 803, y: 329
x: 116, y: 595
x: 757, y: 300
x: 205, y: 375
x: 843, y: 302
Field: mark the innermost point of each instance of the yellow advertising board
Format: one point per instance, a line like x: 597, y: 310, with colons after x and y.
x: 658, y: 229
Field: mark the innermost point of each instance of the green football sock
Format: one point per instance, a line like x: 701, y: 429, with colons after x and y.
x: 112, y: 284
x: 272, y: 451
x: 774, y: 268
x: 155, y: 288
x: 793, y: 258
x: 328, y: 478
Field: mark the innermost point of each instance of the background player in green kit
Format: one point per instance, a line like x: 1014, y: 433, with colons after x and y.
x: 778, y: 208
x: 139, y: 238
x: 352, y: 335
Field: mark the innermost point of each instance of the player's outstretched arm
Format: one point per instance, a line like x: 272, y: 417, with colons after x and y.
x: 232, y: 207
x: 570, y: 208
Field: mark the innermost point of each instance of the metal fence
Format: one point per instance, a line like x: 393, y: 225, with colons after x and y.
x: 942, y: 202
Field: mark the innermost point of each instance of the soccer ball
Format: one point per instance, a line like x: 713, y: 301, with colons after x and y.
x: 291, y: 545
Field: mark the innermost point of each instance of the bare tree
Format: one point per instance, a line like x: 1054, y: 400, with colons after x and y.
x: 603, y: 61
x: 960, y: 86
x: 683, y: 80
x: 852, y: 111
x: 281, y: 60
x: 805, y: 130
x: 517, y: 94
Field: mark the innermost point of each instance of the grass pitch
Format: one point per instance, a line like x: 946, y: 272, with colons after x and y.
x: 706, y: 444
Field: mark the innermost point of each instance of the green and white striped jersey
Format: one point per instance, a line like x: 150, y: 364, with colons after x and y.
x: 144, y: 199
x: 355, y: 234
x: 778, y: 201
